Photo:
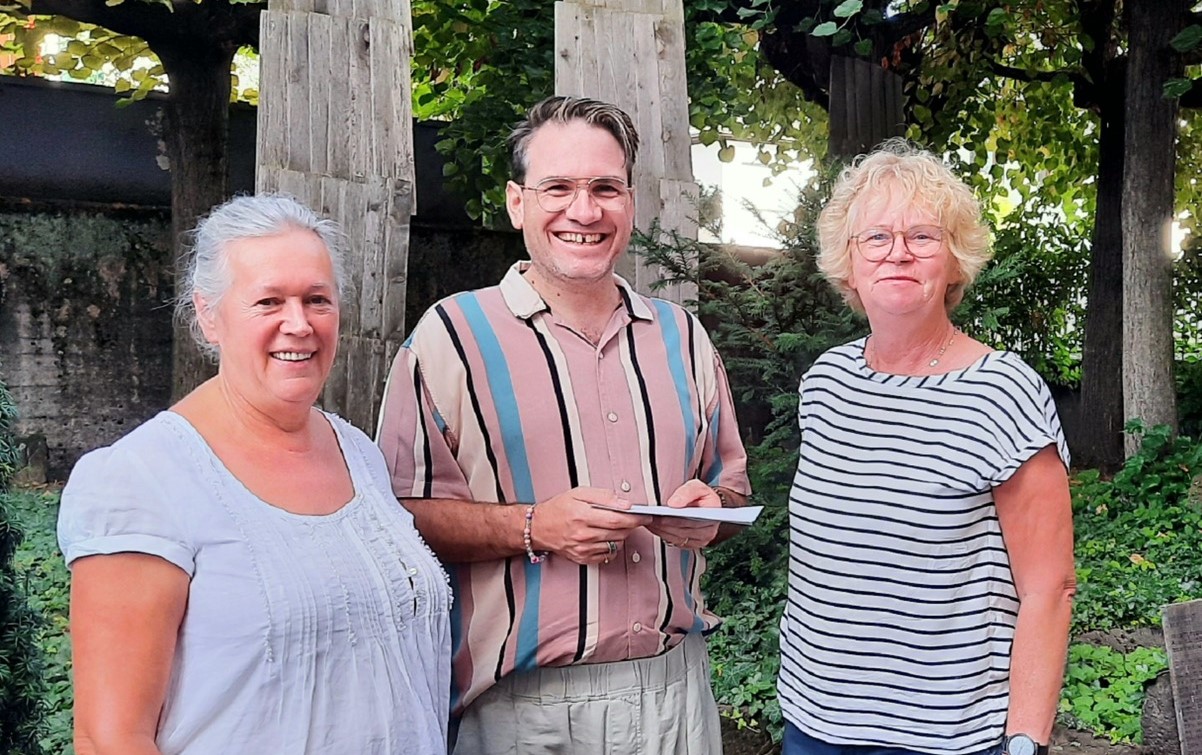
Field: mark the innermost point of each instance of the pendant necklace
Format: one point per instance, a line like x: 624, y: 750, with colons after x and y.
x: 935, y: 362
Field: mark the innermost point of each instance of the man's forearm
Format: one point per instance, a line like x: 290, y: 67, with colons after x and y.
x: 466, y: 531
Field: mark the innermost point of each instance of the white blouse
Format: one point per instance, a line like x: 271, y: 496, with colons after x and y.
x: 302, y: 634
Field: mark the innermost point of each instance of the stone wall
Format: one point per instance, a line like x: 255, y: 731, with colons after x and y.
x: 85, y: 318
x: 85, y: 330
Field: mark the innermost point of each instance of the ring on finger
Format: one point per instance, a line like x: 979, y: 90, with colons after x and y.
x: 613, y: 548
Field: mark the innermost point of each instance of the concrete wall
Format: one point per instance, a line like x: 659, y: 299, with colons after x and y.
x: 85, y: 334
x: 85, y: 328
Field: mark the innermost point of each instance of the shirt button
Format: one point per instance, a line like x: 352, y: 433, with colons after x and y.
x: 625, y: 486
x: 635, y: 557
x: 413, y: 571
x: 612, y: 417
x: 637, y: 627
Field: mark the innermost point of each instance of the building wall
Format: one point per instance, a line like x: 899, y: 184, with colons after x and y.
x: 85, y: 330
x: 85, y: 315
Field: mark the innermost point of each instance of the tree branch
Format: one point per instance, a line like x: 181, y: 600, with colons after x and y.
x: 1023, y: 74
x: 904, y: 24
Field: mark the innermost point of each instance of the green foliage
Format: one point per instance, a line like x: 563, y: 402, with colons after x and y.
x: 1031, y: 299
x: 1139, y: 534
x: 92, y: 54
x: 21, y: 684
x: 479, y: 65
x: 473, y: 68
x: 41, y: 568
x: 1104, y: 689
x: 11, y: 452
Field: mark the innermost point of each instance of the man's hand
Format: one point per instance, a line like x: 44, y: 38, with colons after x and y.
x: 686, y: 533
x: 570, y: 526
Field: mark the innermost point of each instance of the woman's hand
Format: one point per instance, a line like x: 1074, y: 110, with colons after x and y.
x: 126, y: 610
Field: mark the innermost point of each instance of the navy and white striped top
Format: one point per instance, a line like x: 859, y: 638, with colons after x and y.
x: 901, y: 606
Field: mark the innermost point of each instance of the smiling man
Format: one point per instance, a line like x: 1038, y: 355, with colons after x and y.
x: 521, y: 421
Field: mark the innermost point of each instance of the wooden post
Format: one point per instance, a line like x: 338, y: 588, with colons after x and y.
x: 1183, y: 640
x: 631, y: 53
x: 866, y: 106
x: 335, y: 131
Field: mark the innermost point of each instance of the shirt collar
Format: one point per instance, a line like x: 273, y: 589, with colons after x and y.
x: 524, y: 302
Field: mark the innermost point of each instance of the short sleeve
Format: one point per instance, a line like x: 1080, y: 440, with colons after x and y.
x: 113, y: 504
x: 1025, y: 420
x: 413, y: 436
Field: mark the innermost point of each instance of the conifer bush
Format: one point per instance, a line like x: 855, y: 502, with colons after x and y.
x: 20, y: 661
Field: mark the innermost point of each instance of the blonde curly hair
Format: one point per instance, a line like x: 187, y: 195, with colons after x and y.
x: 897, y: 169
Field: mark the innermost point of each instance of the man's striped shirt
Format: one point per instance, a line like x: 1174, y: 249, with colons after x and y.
x: 901, y: 609
x: 494, y: 399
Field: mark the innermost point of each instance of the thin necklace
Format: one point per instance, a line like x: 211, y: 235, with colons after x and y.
x: 934, y: 362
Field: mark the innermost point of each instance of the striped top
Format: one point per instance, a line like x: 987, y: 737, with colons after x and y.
x: 493, y: 398
x: 901, y: 608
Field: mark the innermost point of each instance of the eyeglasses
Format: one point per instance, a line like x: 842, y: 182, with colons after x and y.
x: 557, y: 194
x: 921, y: 240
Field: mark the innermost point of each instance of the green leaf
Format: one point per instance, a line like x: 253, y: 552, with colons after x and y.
x: 825, y: 29
x: 727, y: 153
x: 1188, y: 39
x: 849, y: 8
x: 842, y: 37
x: 864, y: 47
x: 1174, y: 88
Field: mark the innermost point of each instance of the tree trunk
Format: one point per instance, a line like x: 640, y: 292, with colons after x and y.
x: 196, y: 136
x: 1150, y: 139
x: 1100, y: 412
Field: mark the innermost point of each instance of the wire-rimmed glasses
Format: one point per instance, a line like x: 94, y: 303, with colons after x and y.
x: 556, y: 194
x: 921, y: 240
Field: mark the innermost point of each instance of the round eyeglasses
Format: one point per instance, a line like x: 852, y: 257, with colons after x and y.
x: 921, y: 240
x: 557, y: 194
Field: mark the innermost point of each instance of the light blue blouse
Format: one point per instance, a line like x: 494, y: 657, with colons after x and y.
x: 303, y: 634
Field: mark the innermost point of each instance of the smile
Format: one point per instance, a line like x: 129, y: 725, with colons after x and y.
x: 580, y: 238
x: 291, y: 356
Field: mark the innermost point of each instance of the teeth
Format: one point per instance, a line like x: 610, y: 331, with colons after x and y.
x: 291, y: 356
x: 581, y: 238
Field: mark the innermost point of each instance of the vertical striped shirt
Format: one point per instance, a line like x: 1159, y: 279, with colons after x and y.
x: 494, y: 399
x: 901, y: 608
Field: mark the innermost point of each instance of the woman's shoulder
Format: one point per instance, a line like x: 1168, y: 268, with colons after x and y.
x: 1004, y: 366
x: 138, y: 495
x: 158, y: 438
x: 843, y: 357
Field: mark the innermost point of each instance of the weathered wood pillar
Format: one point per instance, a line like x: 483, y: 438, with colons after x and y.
x: 335, y: 131
x: 1183, y: 641
x: 866, y: 106
x: 631, y: 53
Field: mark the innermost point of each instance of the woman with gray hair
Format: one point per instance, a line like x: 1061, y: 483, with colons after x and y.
x: 243, y: 579
x: 931, y: 543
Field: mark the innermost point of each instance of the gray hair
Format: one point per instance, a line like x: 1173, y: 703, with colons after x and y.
x: 561, y: 109
x: 245, y: 217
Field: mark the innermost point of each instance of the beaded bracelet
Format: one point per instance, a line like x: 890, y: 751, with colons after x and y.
x: 535, y: 558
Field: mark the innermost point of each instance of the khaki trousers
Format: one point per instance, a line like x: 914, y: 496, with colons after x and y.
x: 649, y: 706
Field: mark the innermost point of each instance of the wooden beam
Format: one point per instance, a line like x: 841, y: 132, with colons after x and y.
x: 1183, y: 641
x: 336, y: 132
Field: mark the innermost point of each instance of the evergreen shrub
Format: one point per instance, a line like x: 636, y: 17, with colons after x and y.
x: 21, y: 685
